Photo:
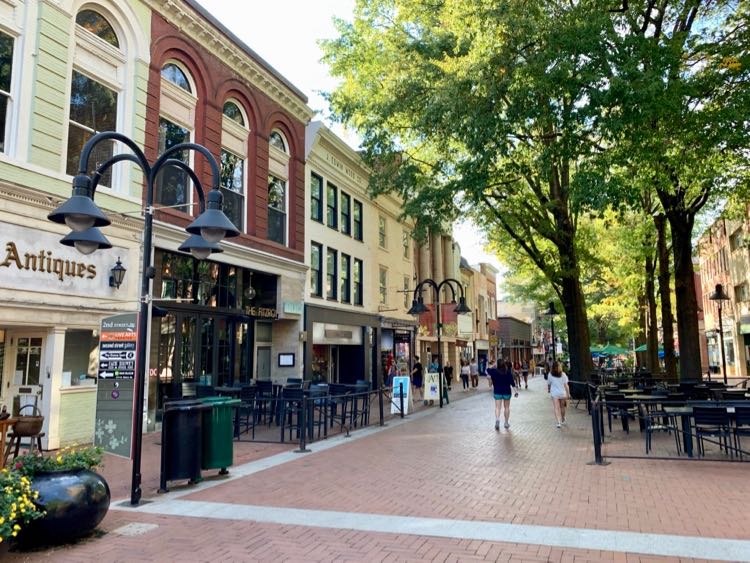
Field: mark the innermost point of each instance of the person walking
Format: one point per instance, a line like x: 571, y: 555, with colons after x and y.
x: 465, y: 373
x: 417, y: 378
x: 525, y: 373
x: 532, y: 367
x: 557, y: 387
x: 502, y: 380
x: 474, y: 372
x: 448, y: 374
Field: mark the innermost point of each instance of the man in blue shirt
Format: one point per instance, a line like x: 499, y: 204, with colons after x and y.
x: 502, y: 381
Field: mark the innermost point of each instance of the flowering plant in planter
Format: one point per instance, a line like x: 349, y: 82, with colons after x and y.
x: 64, y: 460
x: 17, y: 506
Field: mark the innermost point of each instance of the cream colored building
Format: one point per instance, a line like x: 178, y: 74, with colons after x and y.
x: 360, y: 257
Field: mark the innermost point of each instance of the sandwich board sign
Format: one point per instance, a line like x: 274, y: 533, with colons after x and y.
x: 401, y: 382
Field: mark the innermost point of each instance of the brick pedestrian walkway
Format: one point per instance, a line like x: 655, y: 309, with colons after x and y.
x: 442, y: 486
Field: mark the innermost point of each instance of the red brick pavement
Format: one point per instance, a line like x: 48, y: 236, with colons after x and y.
x: 449, y: 465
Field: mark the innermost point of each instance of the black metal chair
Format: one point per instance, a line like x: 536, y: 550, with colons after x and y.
x: 338, y: 401
x: 248, y: 409
x: 741, y: 426
x: 714, y: 422
x: 317, y: 404
x: 291, y: 411
x: 360, y: 411
x: 617, y: 405
x: 654, y: 419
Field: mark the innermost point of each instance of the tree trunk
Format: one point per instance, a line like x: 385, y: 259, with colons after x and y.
x: 641, y: 358
x: 665, y: 295
x: 681, y: 223
x: 652, y: 337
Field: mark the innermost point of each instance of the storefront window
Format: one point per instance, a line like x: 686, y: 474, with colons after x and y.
x: 80, y: 357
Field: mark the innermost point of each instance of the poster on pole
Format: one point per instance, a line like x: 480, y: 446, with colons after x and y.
x: 401, y: 382
x: 432, y: 386
x: 118, y: 344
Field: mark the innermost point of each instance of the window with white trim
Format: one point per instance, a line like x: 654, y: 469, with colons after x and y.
x: 95, y: 85
x: 6, y: 75
x: 278, y: 185
x: 233, y: 162
x: 176, y: 125
x: 383, y: 279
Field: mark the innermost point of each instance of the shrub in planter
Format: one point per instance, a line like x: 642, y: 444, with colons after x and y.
x: 17, y: 506
x: 73, y: 497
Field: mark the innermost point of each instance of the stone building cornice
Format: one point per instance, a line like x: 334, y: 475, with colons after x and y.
x: 197, y: 23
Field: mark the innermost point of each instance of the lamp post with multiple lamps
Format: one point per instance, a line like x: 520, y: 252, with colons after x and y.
x: 84, y: 218
x: 418, y: 306
x: 719, y: 296
x: 551, y: 312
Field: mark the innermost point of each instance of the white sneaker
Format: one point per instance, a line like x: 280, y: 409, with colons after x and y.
x: 507, y: 425
x: 558, y: 425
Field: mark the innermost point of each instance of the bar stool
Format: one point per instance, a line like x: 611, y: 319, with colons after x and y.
x: 35, y: 442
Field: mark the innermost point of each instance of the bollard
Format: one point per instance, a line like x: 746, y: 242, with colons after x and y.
x: 597, y: 431
x: 401, y: 398
x: 380, y: 405
x: 303, y: 428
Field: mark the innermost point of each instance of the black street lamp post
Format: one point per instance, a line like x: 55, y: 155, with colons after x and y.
x: 418, y: 306
x: 719, y: 296
x: 551, y: 312
x: 83, y: 216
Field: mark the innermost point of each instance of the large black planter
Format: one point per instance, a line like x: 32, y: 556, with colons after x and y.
x: 75, y: 502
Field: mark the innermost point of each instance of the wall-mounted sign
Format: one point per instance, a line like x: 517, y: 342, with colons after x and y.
x: 31, y: 259
x: 286, y: 360
x: 293, y: 307
x: 465, y: 324
x: 261, y: 312
x: 328, y: 333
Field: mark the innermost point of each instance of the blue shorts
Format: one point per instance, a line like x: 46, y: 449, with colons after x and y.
x: 501, y: 397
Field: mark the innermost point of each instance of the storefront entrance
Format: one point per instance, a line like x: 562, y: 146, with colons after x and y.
x: 21, y: 366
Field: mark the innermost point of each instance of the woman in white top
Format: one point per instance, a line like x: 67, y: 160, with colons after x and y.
x: 465, y: 374
x: 557, y: 387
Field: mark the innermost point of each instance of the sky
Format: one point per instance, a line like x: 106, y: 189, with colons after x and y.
x: 285, y: 34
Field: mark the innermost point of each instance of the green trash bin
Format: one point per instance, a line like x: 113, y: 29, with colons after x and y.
x: 218, y: 433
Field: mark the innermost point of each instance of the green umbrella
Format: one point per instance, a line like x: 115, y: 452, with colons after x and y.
x: 613, y: 349
x: 641, y: 348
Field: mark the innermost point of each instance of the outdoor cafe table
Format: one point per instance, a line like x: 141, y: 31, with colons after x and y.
x: 685, y: 414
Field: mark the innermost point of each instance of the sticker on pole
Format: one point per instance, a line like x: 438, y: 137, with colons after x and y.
x: 401, y: 382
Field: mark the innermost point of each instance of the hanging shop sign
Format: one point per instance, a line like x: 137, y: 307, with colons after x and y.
x: 35, y: 259
x: 465, y: 324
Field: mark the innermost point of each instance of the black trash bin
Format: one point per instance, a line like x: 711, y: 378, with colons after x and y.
x: 181, y: 441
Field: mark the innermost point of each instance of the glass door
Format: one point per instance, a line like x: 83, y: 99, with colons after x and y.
x: 26, y: 378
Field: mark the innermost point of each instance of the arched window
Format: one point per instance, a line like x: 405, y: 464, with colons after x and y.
x: 233, y: 112
x: 176, y: 125
x: 95, y: 88
x: 97, y: 24
x: 234, y: 148
x: 278, y: 180
x: 175, y: 75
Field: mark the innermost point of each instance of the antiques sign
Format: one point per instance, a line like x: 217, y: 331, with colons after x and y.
x: 34, y: 259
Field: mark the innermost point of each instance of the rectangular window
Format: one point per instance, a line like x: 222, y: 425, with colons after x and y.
x: 346, y: 214
x: 276, y: 210
x: 6, y: 72
x: 383, y: 286
x: 332, y: 205
x: 172, y: 184
x: 93, y: 108
x: 357, y: 281
x: 381, y: 232
x: 735, y: 240
x: 331, y: 274
x: 742, y: 292
x: 346, y: 263
x: 405, y: 238
x: 406, y: 292
x: 316, y: 269
x: 233, y: 187
x: 316, y: 198
x: 357, y: 213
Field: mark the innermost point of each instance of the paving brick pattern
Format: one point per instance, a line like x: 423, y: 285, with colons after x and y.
x: 450, y: 465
